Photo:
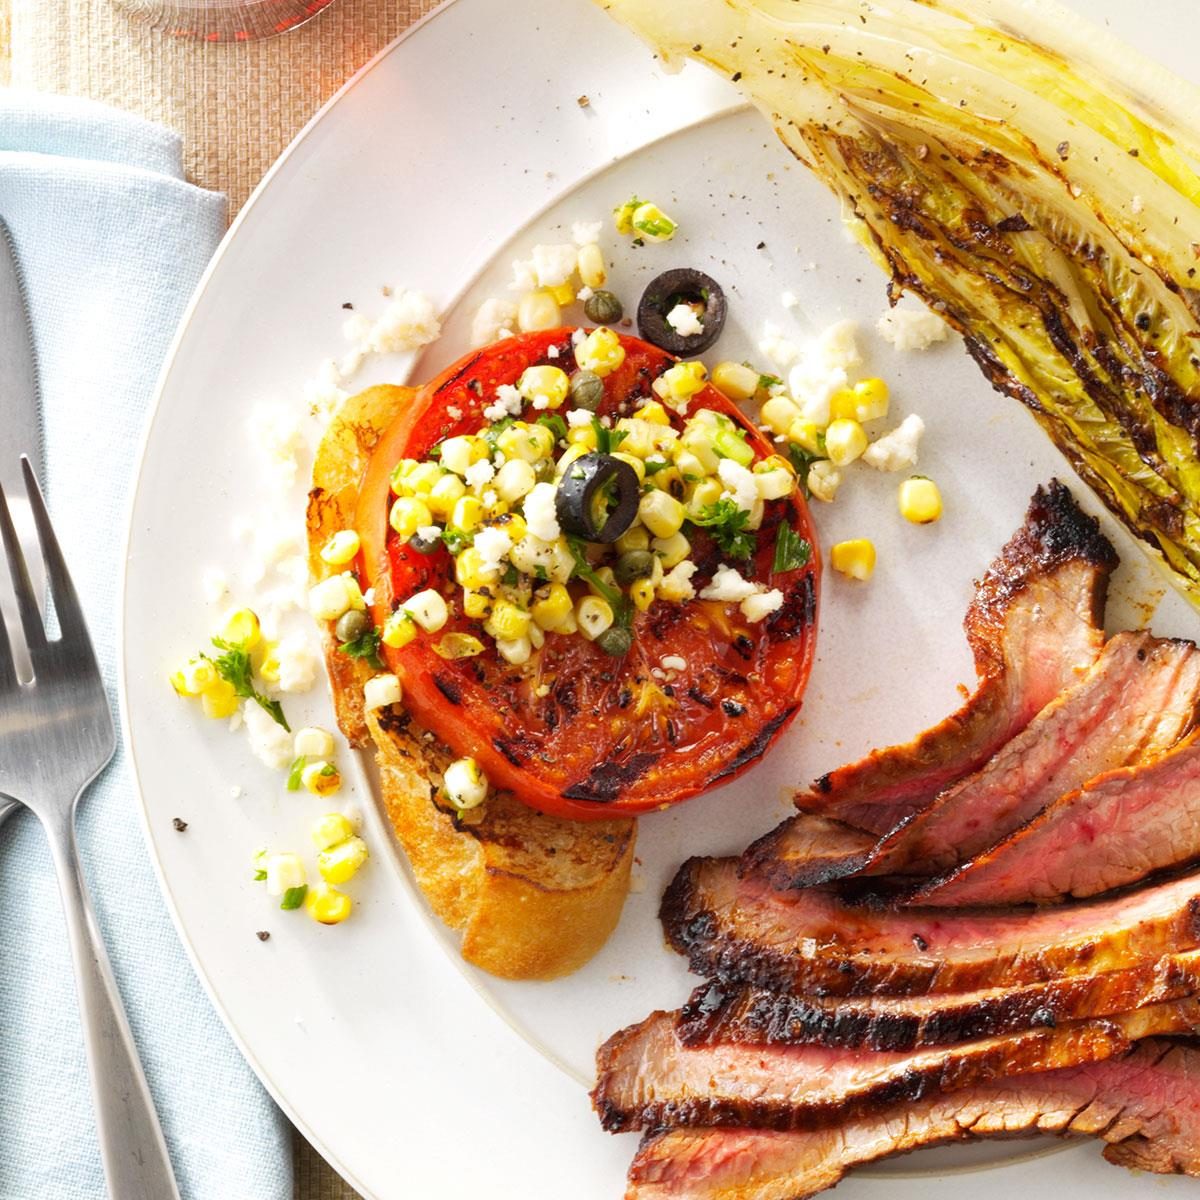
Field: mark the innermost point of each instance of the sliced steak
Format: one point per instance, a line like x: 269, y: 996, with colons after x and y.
x: 1145, y: 1105
x: 814, y: 941
x: 807, y: 850
x: 1034, y: 628
x: 1111, y: 833
x: 719, y: 1012
x: 1138, y: 700
x: 647, y: 1078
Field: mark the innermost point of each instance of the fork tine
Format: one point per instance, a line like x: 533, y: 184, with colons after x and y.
x: 62, y: 590
x: 27, y: 606
x: 8, y: 666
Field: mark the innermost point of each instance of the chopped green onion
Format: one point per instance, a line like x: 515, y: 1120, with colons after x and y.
x: 294, y: 897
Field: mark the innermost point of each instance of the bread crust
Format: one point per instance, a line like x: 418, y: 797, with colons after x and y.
x: 533, y: 896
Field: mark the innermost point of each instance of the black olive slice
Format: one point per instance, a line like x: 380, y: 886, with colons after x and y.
x: 681, y: 286
x: 598, y: 498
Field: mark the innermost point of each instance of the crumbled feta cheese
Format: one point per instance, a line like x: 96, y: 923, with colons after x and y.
x: 297, y: 665
x: 782, y: 351
x: 584, y: 233
x: 541, y: 516
x: 479, y: 473
x: 553, y: 265
x: 584, y: 294
x: 324, y: 394
x: 409, y: 322
x: 824, y: 479
x: 236, y: 792
x: 214, y: 583
x: 789, y: 300
x: 270, y: 742
x: 276, y: 431
x: 491, y: 317
x: 755, y: 608
x: 910, y: 328
x: 493, y: 543
x: 674, y: 662
x: 739, y: 482
x: 838, y: 345
x: 381, y: 690
x: 508, y: 403
x: 684, y: 319
x: 524, y: 278
x: 552, y: 351
x: 454, y: 412
x: 677, y: 582
x: 369, y: 594
x: 579, y: 418
x: 728, y: 585
x: 577, y: 336
x: 896, y: 450
x: 427, y: 533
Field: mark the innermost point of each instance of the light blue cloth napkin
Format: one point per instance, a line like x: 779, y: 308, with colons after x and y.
x: 112, y: 241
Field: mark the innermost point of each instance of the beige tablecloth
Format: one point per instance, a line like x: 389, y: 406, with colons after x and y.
x: 237, y: 106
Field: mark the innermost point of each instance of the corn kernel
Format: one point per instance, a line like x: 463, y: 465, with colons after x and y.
x: 824, y: 479
x: 515, y: 651
x: 537, y: 639
x: 778, y: 413
x: 420, y: 480
x: 843, y: 405
x: 808, y: 435
x: 623, y: 215
x: 514, y: 525
x: 541, y: 442
x: 467, y: 515
x: 340, y: 548
x: 313, y: 743
x: 459, y: 454
x: 195, y: 677
x: 507, y: 621
x: 380, y: 691
x: 632, y: 461
x: 400, y: 473
x: 340, y: 863
x: 445, y: 494
x: 642, y: 593
x: 563, y: 293
x: 518, y: 442
x: 872, y: 399
x: 515, y: 479
x: 326, y: 905
x: 398, y: 630
x: 654, y: 413
x: 844, y: 442
x: 553, y: 608
x: 477, y: 603
x: 603, y: 578
x: 652, y: 223
x: 855, y: 559
x: 567, y: 458
x: 594, y: 615
x: 538, y: 310
x: 671, y: 550
x: 661, y: 513
x: 600, y: 352
x: 284, y: 872
x: 241, y: 629
x: 636, y: 537
x: 321, y: 778
x: 698, y: 441
x: 219, y: 700
x: 774, y: 484
x: 269, y: 665
x: 335, y: 596
x: 592, y: 271
x: 331, y: 830
x: 471, y: 572
x: 735, y: 380
x: 465, y: 784
x: 544, y: 386
x: 685, y: 379
x: 583, y: 435
x: 454, y: 646
x: 920, y: 500
x: 428, y: 609
x: 408, y: 515
x: 703, y: 494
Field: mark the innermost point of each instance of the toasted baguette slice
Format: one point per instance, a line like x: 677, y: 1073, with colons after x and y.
x: 533, y: 896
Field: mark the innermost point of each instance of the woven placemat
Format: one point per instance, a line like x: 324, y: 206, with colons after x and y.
x: 237, y: 107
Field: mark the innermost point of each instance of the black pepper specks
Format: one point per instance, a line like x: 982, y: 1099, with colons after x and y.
x: 263, y: 935
x: 731, y: 708
x: 178, y: 824
x: 920, y: 943
x: 1142, y: 321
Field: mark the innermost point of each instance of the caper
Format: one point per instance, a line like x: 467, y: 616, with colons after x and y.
x: 634, y: 564
x: 616, y: 640
x: 603, y: 308
x: 351, y: 626
x: 423, y: 545
x: 587, y: 390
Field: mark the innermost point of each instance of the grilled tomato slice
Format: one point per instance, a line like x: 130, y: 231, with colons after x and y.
x: 686, y: 693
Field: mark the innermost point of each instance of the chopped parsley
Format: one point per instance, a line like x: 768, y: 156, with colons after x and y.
x: 802, y: 460
x: 791, y: 550
x: 607, y: 440
x: 622, y: 616
x: 294, y: 897
x: 365, y: 646
x: 492, y: 433
x: 727, y: 524
x: 555, y: 424
x: 233, y: 665
x: 766, y: 382
x: 259, y: 875
x: 457, y: 540
x: 653, y: 466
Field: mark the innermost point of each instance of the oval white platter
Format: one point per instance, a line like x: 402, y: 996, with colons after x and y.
x: 449, y: 156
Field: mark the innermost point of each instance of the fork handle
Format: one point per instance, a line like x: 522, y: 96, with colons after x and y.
x: 132, y: 1146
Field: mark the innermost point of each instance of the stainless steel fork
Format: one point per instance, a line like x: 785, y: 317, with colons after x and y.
x: 56, y: 735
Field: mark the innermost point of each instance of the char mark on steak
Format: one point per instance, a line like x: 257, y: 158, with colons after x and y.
x: 719, y: 1012
x: 1145, y: 1106
x: 1034, y: 627
x: 814, y: 941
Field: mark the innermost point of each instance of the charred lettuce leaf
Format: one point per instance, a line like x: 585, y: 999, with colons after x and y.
x: 1046, y: 202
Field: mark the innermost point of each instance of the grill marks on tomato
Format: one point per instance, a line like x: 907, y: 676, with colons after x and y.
x: 576, y: 732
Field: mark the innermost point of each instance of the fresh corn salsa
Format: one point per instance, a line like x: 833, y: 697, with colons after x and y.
x: 586, y: 569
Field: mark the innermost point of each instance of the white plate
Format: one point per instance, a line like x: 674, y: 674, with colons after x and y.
x: 462, y: 137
